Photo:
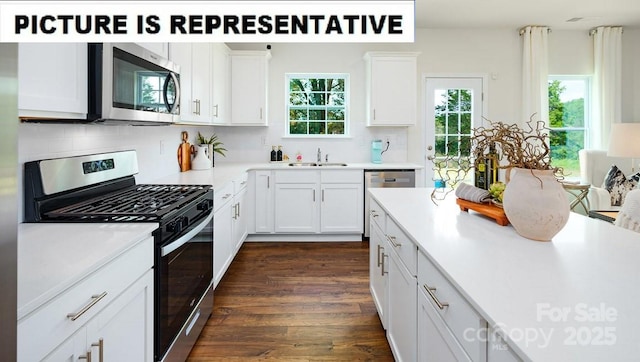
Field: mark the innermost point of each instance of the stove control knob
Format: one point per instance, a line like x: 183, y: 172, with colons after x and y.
x: 204, y: 205
x: 175, y: 226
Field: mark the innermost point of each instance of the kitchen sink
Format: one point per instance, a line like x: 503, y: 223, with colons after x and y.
x: 303, y: 164
x: 326, y: 164
x: 332, y: 164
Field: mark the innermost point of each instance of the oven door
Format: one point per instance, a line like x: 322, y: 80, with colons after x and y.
x: 184, y: 274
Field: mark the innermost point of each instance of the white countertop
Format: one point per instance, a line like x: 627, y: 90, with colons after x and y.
x: 225, y: 172
x: 54, y: 256
x: 521, y: 285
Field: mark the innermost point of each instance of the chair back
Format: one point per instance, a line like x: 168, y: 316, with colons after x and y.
x: 594, y: 165
x: 629, y: 215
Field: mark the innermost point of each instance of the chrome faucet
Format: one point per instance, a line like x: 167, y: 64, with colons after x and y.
x: 319, y: 155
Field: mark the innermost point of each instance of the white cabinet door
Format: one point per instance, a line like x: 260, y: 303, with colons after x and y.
x: 264, y: 194
x: 201, y: 83
x: 240, y: 227
x: 378, y: 272
x: 392, y: 89
x: 341, y: 208
x: 195, y: 82
x: 435, y: 342
x: 125, y: 326
x: 122, y: 331
x: 71, y: 350
x: 296, y: 208
x: 402, y: 327
x: 52, y: 80
x: 220, y: 100
x: 180, y: 53
x: 222, y: 240
x: 249, y: 88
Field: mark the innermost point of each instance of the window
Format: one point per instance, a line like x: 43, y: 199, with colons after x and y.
x: 453, y: 122
x: 317, y: 104
x: 152, y: 85
x: 568, y: 121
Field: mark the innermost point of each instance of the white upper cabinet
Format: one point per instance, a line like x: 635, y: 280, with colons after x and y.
x: 52, y: 80
x: 161, y: 49
x: 249, y: 82
x: 391, y: 88
x: 220, y: 79
x: 195, y: 84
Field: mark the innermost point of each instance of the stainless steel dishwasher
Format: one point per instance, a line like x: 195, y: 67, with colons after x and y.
x: 384, y: 178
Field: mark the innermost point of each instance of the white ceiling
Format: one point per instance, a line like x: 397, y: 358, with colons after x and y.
x: 518, y: 13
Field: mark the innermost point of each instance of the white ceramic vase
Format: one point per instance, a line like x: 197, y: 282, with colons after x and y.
x: 201, y: 161
x: 535, y: 203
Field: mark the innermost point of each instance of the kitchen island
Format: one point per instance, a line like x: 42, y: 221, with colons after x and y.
x: 574, y: 298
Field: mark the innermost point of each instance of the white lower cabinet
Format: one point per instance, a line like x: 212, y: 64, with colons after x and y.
x: 240, y: 214
x: 435, y: 341
x: 341, y: 207
x: 223, y: 244
x: 402, y: 297
x: 123, y: 331
x: 315, y: 201
x: 296, y: 209
x: 457, y: 316
x: 108, y: 315
x: 378, y: 272
x: 264, y: 195
x: 425, y: 315
x: 230, y: 224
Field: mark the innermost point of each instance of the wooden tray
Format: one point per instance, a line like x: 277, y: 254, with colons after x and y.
x: 489, y: 210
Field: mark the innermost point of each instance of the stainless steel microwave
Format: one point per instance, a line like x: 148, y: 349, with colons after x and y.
x: 132, y: 84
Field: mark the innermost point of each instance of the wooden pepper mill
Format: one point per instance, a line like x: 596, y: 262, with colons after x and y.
x: 184, y: 153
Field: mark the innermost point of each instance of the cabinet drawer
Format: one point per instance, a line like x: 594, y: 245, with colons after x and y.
x: 297, y: 177
x: 240, y: 182
x: 222, y: 195
x: 47, y: 327
x: 458, y: 315
x: 341, y: 176
x: 406, y: 249
x: 377, y: 215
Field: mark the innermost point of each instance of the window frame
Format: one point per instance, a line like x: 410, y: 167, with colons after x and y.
x: 346, y: 106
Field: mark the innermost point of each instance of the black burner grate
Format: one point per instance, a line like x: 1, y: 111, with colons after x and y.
x: 136, y: 203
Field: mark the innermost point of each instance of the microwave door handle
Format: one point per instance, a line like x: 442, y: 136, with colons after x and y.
x: 167, y: 249
x: 176, y: 103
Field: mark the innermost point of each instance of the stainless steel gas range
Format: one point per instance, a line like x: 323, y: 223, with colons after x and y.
x: 102, y: 188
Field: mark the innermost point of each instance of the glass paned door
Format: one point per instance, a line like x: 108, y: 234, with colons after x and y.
x: 453, y: 109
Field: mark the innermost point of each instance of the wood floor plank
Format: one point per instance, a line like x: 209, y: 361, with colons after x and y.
x: 294, y: 302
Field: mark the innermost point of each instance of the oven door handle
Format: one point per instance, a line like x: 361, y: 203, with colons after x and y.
x: 165, y: 250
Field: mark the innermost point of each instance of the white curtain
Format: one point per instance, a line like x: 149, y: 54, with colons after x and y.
x: 607, y: 89
x: 535, y: 73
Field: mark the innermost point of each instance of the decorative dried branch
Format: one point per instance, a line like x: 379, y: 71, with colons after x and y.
x: 517, y: 147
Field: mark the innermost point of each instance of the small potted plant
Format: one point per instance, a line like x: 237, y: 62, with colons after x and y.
x: 214, y: 144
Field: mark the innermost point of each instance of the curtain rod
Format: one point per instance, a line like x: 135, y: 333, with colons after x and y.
x: 595, y: 30
x: 523, y: 29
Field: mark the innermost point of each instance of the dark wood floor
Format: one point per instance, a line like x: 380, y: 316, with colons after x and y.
x: 295, y: 302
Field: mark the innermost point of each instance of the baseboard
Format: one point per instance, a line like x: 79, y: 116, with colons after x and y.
x: 304, y: 237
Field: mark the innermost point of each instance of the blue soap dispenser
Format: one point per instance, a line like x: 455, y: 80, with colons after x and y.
x: 376, y: 151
